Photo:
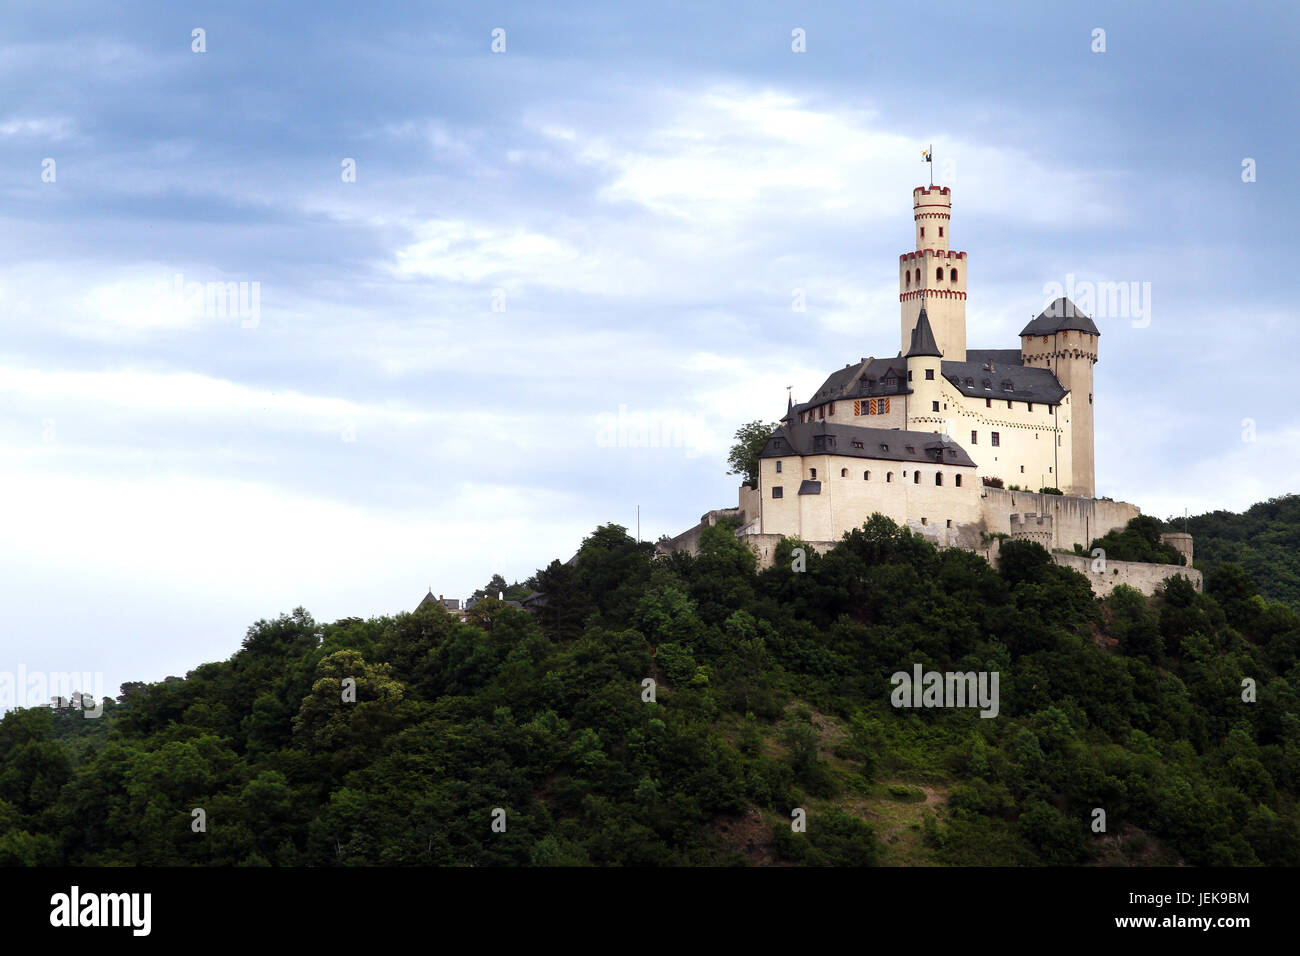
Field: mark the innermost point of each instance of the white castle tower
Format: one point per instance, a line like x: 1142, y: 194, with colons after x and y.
x: 935, y: 274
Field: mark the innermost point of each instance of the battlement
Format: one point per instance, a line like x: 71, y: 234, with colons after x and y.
x: 930, y: 190
x: 937, y: 253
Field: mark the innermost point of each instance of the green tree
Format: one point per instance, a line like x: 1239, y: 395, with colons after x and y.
x: 743, y: 457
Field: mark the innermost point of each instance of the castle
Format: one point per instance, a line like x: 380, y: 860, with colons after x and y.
x: 941, y: 438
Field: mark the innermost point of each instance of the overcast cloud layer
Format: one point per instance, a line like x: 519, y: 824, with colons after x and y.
x: 547, y: 253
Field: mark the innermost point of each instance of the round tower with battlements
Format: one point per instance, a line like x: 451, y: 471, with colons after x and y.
x: 934, y: 273
x: 1067, y: 342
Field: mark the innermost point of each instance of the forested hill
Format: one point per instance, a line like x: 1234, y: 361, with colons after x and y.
x: 1265, y: 540
x: 773, y: 696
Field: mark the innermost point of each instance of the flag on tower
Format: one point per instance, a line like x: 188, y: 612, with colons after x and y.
x: 927, y: 155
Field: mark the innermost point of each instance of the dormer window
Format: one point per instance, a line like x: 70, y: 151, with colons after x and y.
x: 857, y: 444
x: 1006, y: 386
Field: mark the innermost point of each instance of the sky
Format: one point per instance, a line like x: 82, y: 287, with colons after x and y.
x: 327, y: 305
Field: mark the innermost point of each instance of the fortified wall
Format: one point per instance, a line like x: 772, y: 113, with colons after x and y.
x: 1054, y: 521
x: 1057, y: 522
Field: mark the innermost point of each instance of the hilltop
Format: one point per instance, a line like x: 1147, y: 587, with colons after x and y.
x: 772, y: 694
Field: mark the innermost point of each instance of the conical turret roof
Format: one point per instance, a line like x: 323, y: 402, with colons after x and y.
x: 923, y: 342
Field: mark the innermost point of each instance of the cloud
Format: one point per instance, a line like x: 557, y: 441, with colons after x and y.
x: 51, y: 129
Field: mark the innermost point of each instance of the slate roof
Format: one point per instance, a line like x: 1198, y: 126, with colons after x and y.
x: 1020, y: 383
x: 882, y: 444
x: 923, y: 342
x: 998, y: 357
x: 809, y: 487
x: 1061, y: 316
x: 866, y: 379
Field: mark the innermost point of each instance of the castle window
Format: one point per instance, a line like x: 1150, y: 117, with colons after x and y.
x: 857, y: 444
x: 832, y: 408
x: 923, y: 521
x: 974, y: 437
x: 889, y: 476
x: 1008, y: 403
x: 952, y: 274
x: 909, y: 374
x: 934, y: 406
x: 908, y: 276
x: 778, y: 467
x: 996, y: 439
x: 1031, y: 406
x: 929, y: 375
x: 988, y: 403
x: 916, y: 477
x: 777, y: 491
x: 1090, y: 398
x: 866, y: 476
x: 938, y: 273
x: 941, y: 232
x: 821, y: 411
x: 1022, y: 469
x: 844, y: 472
x: 938, y: 478
x: 923, y: 232
x: 957, y: 482
x: 1006, y: 385
x: 949, y: 522
x: 814, y: 474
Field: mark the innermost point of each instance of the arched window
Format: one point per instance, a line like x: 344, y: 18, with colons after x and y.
x: 938, y: 273
x: 889, y: 476
x: 866, y: 476
x: 938, y: 477
x: 916, y: 477
x: 844, y: 472
x: 952, y: 274
x: 908, y: 277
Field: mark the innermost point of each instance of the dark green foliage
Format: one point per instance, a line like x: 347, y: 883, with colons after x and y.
x: 743, y: 458
x: 1139, y: 541
x: 1264, y: 540
x: 772, y: 693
